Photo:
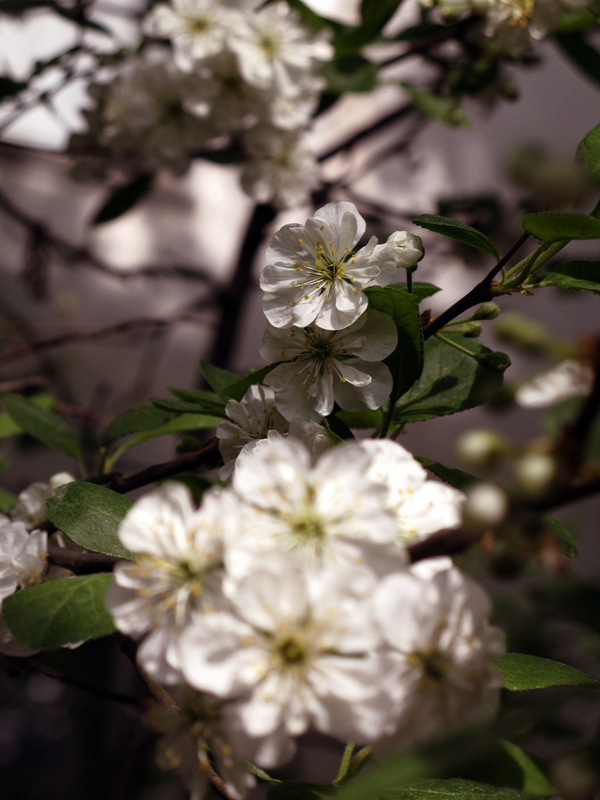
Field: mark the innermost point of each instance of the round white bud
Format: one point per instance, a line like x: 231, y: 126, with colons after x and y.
x: 480, y: 448
x: 535, y: 473
x: 485, y: 507
x: 408, y: 249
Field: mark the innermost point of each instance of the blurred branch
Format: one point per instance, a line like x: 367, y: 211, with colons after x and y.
x: 365, y: 133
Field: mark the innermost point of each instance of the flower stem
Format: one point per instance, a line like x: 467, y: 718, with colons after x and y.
x: 345, y: 764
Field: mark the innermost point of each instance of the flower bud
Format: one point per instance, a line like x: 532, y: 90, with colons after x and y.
x: 481, y: 448
x: 408, y: 249
x: 535, y: 473
x: 487, y: 311
x: 496, y: 362
x: 472, y: 330
x: 485, y: 507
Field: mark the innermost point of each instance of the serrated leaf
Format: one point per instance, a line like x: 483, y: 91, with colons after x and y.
x: 451, y: 381
x: 238, y: 389
x: 585, y: 57
x: 454, y: 229
x: 450, y: 475
x: 217, y: 378
x: 456, y: 789
x: 350, y: 73
x: 442, y: 109
x: 588, y: 152
x: 133, y: 420
x: 406, y: 362
x: 123, y: 198
x: 523, y: 672
x: 90, y: 515
x: 564, y: 536
x: 43, y: 425
x: 579, y: 276
x: 60, y: 612
x: 552, y: 226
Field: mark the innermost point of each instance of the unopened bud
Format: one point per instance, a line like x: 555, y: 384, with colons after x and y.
x: 472, y: 330
x: 485, y: 507
x: 480, y: 448
x: 535, y: 473
x: 526, y: 333
x: 408, y: 249
x: 496, y: 362
x: 487, y: 311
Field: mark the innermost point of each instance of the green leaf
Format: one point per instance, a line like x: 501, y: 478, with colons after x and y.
x: 217, y: 378
x: 451, y: 381
x: 361, y: 419
x: 350, y: 73
x: 238, y: 389
x: 134, y: 420
x: 456, y: 789
x: 8, y: 501
x: 375, y: 14
x: 123, y: 198
x: 297, y: 790
x: 581, y: 53
x: 422, y: 290
x: 454, y: 229
x: 522, y: 672
x: 8, y: 427
x: 580, y: 276
x: 90, y: 515
x: 442, y: 109
x: 450, y: 475
x: 588, y: 152
x: 208, y: 402
x: 565, y: 538
x: 406, y: 362
x: 552, y: 226
x: 533, y: 779
x: 43, y: 425
x: 60, y: 612
x: 311, y: 19
x: 180, y: 406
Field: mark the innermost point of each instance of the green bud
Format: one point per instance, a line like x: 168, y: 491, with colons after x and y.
x: 481, y: 448
x: 496, y: 362
x: 472, y: 330
x: 487, y: 311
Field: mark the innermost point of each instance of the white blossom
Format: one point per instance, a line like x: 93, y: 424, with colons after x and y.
x: 435, y: 621
x: 408, y: 248
x: 315, y: 275
x: 422, y: 506
x: 297, y: 650
x: 23, y: 556
x: 180, y: 569
x: 31, y: 505
x: 569, y: 378
x: 323, y: 367
x: 516, y: 24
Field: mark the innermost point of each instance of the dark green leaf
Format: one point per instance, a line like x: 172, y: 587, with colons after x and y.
x: 123, y: 198
x: 588, y: 152
x: 90, y: 515
x: 581, y: 53
x: 442, y: 109
x: 7, y: 501
x: 522, y: 672
x: 238, y: 389
x: 361, y: 419
x: 311, y: 19
x: 580, y: 276
x: 456, y: 789
x: 454, y: 229
x: 454, y: 477
x: 552, y: 226
x: 508, y: 766
x: 8, y: 427
x: 451, y: 381
x: 60, y: 612
x: 43, y: 425
x: 576, y: 20
x: 422, y: 290
x: 217, y: 378
x: 406, y: 362
x: 297, y: 790
x: 420, y: 31
x: 134, y: 420
x: 351, y: 73
x: 178, y: 406
x: 565, y: 538
x: 375, y: 14
x: 208, y: 402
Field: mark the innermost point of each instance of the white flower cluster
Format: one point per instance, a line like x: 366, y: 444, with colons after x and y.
x: 286, y: 603
x: 232, y: 70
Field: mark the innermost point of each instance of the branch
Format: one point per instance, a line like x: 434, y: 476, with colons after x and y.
x: 79, y: 562
x: 365, y: 133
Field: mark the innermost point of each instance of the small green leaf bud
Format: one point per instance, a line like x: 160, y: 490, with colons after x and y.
x: 472, y: 330
x: 481, y: 448
x: 523, y: 332
x: 496, y: 362
x: 535, y: 473
x: 408, y: 249
x: 485, y: 507
x: 487, y: 311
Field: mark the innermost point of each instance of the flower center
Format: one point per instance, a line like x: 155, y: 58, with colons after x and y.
x: 291, y: 649
x: 199, y: 25
x: 521, y: 11
x: 269, y: 45
x: 432, y: 664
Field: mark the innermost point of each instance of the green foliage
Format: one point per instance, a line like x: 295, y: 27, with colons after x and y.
x: 89, y: 515
x: 522, y: 672
x: 458, y: 231
x: 580, y: 276
x: 421, y: 290
x: 406, y: 362
x: 209, y: 402
x: 60, y: 612
x: 238, y: 389
x: 133, y: 420
x: 442, y: 109
x: 217, y: 378
x: 43, y: 425
x: 350, y: 73
x: 552, y: 226
x: 8, y: 427
x: 361, y: 419
x: 585, y: 57
x: 451, y: 475
x: 375, y: 14
x: 456, y: 789
x: 7, y: 501
x: 588, y: 152
x: 451, y: 381
x: 123, y: 199
x: 564, y: 536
